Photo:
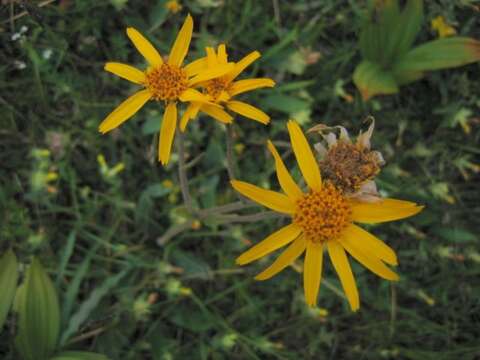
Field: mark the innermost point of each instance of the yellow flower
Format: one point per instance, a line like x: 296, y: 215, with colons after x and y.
x: 322, y: 218
x: 166, y: 81
x: 173, y: 6
x: 442, y: 28
x: 221, y: 90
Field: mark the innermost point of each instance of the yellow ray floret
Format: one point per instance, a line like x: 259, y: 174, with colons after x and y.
x: 322, y: 220
x: 167, y: 81
x: 224, y: 88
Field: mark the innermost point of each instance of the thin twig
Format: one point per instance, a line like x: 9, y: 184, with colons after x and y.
x: 174, y: 230
x: 182, y: 174
x: 238, y: 205
x: 247, y: 218
x: 23, y: 13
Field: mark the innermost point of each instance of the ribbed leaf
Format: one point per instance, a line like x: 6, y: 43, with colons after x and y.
x: 79, y: 355
x: 408, y: 27
x: 370, y: 41
x: 8, y: 283
x: 371, y: 80
x: 439, y: 54
x: 39, y: 315
x: 406, y: 77
x: 388, y: 32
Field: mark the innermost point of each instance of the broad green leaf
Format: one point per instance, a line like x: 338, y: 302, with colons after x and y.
x: 79, y: 355
x: 370, y: 42
x: 8, y: 283
x: 407, y: 28
x: 440, y: 54
x: 38, y: 315
x: 371, y: 80
x: 406, y: 77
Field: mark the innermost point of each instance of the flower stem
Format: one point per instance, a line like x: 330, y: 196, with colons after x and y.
x: 182, y: 173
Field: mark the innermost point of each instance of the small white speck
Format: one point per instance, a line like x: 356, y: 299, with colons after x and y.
x: 16, y: 36
x: 47, y: 54
x: 20, y: 65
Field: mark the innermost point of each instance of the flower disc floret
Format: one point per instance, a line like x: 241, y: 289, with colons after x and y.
x: 215, y: 87
x: 349, y: 166
x: 166, y: 82
x: 323, y: 214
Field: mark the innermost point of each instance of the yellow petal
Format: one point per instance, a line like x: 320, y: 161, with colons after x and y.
x: 144, y: 47
x: 312, y: 272
x: 242, y: 86
x: 287, y: 184
x: 124, y: 111
x: 222, y: 54
x: 189, y: 114
x: 242, y: 64
x: 217, y: 113
x: 369, y: 243
x: 286, y: 258
x: 211, y: 57
x: 182, y: 43
x: 126, y: 71
x: 344, y: 271
x: 273, y: 242
x: 208, y: 74
x: 167, y: 133
x: 382, y: 211
x: 305, y: 158
x: 248, y: 111
x: 193, y: 95
x: 268, y: 198
x: 196, y: 67
x: 369, y: 260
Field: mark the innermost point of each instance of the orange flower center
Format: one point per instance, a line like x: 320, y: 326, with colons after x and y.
x: 166, y: 82
x: 324, y: 214
x: 215, y: 87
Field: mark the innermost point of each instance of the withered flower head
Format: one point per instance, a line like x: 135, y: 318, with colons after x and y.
x: 350, y: 166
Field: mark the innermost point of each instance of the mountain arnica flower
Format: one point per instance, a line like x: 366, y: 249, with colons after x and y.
x: 167, y: 81
x: 323, y: 218
x: 350, y: 166
x: 221, y: 90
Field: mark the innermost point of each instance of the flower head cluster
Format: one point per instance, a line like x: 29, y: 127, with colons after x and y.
x: 351, y: 166
x: 222, y: 90
x: 170, y: 81
x: 323, y: 217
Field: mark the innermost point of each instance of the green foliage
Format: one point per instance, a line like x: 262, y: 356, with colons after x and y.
x: 38, y: 315
x: 78, y: 355
x: 386, y: 40
x: 8, y: 283
x: 92, y: 228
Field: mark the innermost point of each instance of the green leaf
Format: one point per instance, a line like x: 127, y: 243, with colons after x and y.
x: 285, y: 103
x: 409, y: 25
x: 439, y: 54
x: 371, y: 80
x: 8, y: 283
x: 79, y: 355
x: 39, y: 315
x: 89, y: 304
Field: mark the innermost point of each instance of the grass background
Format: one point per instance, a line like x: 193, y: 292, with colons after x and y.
x: 95, y: 231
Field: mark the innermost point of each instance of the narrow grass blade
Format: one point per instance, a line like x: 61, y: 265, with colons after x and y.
x: 79, y: 355
x: 89, y: 304
x: 8, y: 283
